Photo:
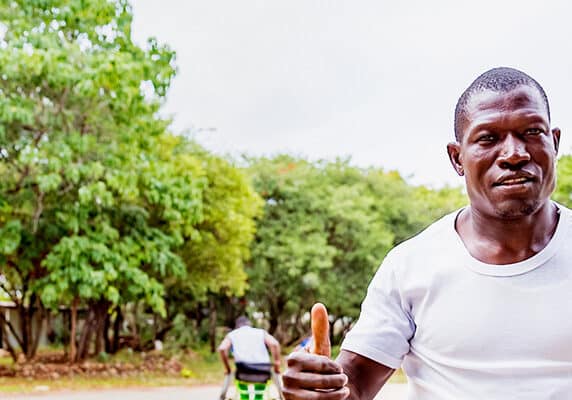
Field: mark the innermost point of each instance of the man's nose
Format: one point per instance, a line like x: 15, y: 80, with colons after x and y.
x: 513, y: 154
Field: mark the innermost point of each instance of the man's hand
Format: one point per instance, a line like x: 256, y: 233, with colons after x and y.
x: 277, y: 367
x: 314, y: 377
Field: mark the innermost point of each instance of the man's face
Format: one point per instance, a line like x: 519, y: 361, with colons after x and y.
x: 507, y: 152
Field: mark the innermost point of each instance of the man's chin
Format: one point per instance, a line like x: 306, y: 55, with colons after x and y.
x: 514, y: 209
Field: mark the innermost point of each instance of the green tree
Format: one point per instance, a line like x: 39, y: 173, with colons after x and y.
x: 291, y: 247
x: 365, y: 215
x: 92, y: 207
x: 325, y: 230
x: 220, y: 247
x: 563, y: 192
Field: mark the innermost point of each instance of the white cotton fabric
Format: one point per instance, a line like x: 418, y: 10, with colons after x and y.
x: 464, y: 329
x: 248, y: 345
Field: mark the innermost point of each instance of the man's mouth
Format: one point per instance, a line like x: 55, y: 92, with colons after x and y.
x: 513, y: 181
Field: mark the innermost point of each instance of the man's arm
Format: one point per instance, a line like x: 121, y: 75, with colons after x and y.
x: 224, y: 349
x: 274, y: 347
x: 351, y: 377
x: 365, y: 377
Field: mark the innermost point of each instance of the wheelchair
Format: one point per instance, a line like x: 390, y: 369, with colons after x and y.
x: 252, y: 382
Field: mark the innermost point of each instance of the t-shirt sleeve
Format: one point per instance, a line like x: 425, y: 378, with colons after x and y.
x: 385, y: 326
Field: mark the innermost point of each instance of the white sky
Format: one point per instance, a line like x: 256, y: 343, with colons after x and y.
x: 373, y: 80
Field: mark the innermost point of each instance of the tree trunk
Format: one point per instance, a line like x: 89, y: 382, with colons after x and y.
x: 23, y: 312
x: 4, y: 328
x: 8, y: 327
x: 135, y: 328
x: 101, y: 312
x: 106, y: 339
x: 116, y: 330
x: 35, y: 339
x: 199, y: 316
x: 275, y: 311
x: 298, y: 330
x: 28, y: 341
x: 86, y: 334
x: 162, y: 332
x: 50, y: 333
x: 73, y: 328
x: 212, y: 324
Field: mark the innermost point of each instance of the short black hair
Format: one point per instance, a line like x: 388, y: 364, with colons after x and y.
x: 241, y: 321
x: 501, y: 79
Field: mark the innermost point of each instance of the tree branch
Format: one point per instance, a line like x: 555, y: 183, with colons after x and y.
x: 38, y: 136
x: 9, y: 346
x: 13, y: 265
x: 39, y: 209
x: 7, y: 323
x: 12, y: 296
x: 20, y: 182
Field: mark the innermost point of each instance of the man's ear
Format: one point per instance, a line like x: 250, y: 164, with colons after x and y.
x: 454, y: 151
x: 556, y: 138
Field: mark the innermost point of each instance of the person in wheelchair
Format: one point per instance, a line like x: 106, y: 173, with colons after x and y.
x: 250, y: 348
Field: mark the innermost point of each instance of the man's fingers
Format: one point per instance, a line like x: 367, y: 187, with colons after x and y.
x: 306, y: 380
x: 301, y: 394
x: 302, y: 361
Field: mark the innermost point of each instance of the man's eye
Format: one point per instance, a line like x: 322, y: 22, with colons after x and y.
x: 486, y: 138
x: 533, y: 131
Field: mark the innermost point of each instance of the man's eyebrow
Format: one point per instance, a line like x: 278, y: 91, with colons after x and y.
x: 487, y: 124
x: 535, y: 117
x: 472, y: 129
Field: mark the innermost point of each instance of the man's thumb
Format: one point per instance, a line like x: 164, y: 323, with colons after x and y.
x: 320, y: 330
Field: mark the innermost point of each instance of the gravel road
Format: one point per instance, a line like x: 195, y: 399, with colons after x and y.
x: 389, y: 392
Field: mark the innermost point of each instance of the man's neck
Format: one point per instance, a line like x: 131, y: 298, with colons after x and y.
x: 507, y: 241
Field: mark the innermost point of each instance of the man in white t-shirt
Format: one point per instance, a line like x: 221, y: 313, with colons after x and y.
x: 479, y: 305
x: 249, y: 348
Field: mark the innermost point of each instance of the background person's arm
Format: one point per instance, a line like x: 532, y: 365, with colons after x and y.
x: 274, y: 347
x: 224, y: 350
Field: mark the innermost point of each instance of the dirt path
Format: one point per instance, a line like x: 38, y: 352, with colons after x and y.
x: 390, y: 392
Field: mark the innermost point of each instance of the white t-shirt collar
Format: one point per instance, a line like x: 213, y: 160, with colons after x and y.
x: 520, y: 267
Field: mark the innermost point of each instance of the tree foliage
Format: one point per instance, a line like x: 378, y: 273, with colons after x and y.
x: 103, y: 210
x: 563, y: 192
x: 99, y: 205
x: 325, y: 229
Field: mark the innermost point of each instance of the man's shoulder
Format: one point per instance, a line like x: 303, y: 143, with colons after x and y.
x: 247, y: 330
x: 425, y: 254
x: 564, y: 210
x: 439, y: 233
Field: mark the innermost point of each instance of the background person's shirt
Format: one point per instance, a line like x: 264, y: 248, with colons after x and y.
x: 463, y: 329
x: 248, y: 345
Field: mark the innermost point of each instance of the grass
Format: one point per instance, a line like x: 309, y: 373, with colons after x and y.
x: 6, y: 362
x: 206, y: 368
x: 24, y: 385
x: 199, y: 368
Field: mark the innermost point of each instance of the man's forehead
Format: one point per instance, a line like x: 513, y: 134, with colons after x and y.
x: 522, y: 96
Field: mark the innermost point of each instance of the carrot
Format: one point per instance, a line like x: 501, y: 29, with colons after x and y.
x: 320, y: 330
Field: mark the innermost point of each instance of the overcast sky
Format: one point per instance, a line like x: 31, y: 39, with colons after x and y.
x: 376, y: 80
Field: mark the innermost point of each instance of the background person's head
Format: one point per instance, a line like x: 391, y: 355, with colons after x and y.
x: 242, y: 321
x: 505, y: 147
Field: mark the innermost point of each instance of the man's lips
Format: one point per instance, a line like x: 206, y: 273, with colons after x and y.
x: 514, y: 180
